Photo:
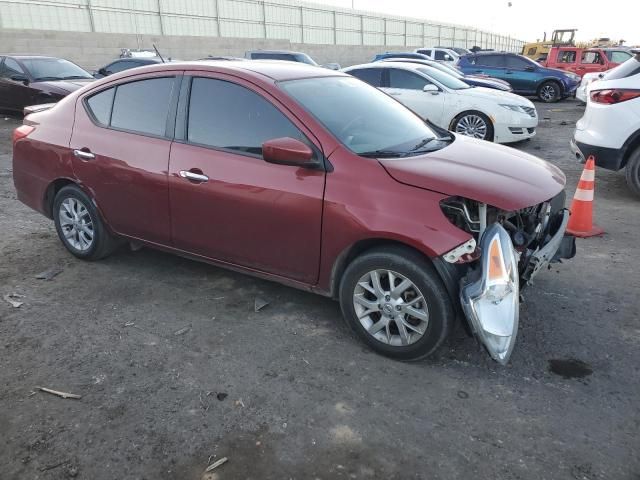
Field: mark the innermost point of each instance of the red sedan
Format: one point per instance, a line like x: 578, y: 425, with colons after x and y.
x: 305, y: 176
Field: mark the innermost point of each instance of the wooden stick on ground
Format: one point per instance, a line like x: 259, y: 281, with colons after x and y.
x: 216, y: 464
x: 60, y: 394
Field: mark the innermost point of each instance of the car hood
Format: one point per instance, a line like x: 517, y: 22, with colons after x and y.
x: 501, y: 96
x: 64, y: 85
x: 494, y: 174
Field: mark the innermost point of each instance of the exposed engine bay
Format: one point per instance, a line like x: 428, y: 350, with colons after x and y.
x: 506, y: 251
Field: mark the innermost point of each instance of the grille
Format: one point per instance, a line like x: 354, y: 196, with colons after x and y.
x: 530, y: 110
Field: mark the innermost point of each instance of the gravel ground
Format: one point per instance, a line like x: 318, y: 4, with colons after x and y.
x: 176, y: 369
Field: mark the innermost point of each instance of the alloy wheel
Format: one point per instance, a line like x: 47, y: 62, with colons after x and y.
x: 548, y: 93
x: 472, y: 126
x: 76, y: 224
x: 390, y: 307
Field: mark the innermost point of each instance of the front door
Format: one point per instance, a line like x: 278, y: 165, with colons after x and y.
x: 227, y: 203
x: 590, y: 61
x: 121, y: 141
x: 407, y: 87
x: 520, y: 73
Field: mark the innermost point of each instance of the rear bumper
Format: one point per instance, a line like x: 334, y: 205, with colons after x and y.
x: 607, y: 158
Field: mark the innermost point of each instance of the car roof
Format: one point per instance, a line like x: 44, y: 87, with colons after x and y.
x: 288, y: 52
x: 276, y: 70
x: 26, y: 57
x: 403, y: 65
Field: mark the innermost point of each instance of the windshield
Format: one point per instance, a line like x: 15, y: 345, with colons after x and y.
x: 444, y: 78
x: 364, y: 119
x: 53, y: 69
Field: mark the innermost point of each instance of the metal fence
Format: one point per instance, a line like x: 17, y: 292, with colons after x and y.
x: 270, y: 19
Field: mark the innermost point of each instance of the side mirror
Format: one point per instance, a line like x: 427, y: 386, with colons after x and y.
x: 430, y: 87
x: 19, y: 77
x: 288, y: 151
x: 529, y: 68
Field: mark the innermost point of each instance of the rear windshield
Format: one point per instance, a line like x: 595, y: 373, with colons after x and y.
x: 627, y: 69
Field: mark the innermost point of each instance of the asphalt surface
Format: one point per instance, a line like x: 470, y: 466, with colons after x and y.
x: 177, y: 370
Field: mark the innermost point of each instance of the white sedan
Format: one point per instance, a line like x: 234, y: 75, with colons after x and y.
x: 450, y: 103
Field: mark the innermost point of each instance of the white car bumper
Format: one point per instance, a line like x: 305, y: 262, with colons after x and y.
x: 515, y: 128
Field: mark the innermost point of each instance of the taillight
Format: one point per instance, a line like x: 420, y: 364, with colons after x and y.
x: 22, y: 131
x: 614, y: 95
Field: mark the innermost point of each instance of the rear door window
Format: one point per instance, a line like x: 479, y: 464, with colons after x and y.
x: 231, y: 117
x: 373, y: 76
x: 490, y: 61
x: 567, y: 56
x: 590, y: 57
x: 141, y: 106
x: 515, y: 63
x: 10, y: 67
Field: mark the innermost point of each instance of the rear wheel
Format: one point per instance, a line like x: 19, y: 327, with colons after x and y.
x: 79, y: 225
x: 632, y: 172
x: 549, y: 92
x: 473, y: 124
x: 395, y: 301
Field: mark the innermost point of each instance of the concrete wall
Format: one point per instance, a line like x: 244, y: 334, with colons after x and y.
x: 93, y: 50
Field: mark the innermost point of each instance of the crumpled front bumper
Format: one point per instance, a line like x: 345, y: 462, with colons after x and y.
x: 490, y: 294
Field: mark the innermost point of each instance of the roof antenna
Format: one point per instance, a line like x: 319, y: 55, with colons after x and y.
x: 157, y: 52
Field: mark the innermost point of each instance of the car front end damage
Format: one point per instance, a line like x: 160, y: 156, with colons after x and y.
x: 506, y: 252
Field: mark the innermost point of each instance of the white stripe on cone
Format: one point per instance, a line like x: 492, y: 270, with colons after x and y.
x: 588, y: 175
x: 584, y: 195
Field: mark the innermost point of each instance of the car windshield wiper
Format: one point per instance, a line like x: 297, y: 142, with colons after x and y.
x: 75, y: 77
x: 382, y: 154
x: 46, y: 79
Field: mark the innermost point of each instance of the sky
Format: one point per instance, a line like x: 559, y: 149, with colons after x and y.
x: 524, y: 20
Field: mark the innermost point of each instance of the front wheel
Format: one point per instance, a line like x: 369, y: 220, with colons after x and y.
x: 396, y: 303
x: 473, y: 124
x: 79, y: 225
x: 632, y: 172
x: 549, y: 92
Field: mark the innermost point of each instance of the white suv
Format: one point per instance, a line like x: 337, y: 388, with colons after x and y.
x: 610, y: 127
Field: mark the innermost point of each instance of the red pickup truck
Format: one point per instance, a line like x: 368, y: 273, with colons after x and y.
x: 585, y: 60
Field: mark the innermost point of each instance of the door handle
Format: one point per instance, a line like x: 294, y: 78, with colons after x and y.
x: 195, y: 177
x: 83, y: 155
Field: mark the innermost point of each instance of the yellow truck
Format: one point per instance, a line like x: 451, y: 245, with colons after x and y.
x: 539, y: 50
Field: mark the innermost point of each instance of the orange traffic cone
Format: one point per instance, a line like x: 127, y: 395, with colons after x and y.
x: 581, y: 221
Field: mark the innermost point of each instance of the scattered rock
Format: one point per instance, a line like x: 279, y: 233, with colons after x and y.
x: 259, y: 304
x: 611, y: 309
x: 462, y: 394
x: 221, y: 396
x: 182, y: 331
x: 10, y: 298
x: 49, y: 274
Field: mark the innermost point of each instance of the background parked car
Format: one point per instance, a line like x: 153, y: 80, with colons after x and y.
x: 475, y: 81
x: 458, y: 50
x: 585, y: 60
x: 288, y: 56
x: 440, y: 54
x: 29, y: 80
x: 525, y: 76
x: 610, y: 127
x: 408, y: 55
x: 450, y: 103
x: 122, y: 64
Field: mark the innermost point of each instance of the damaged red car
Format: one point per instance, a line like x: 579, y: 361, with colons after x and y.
x: 308, y: 177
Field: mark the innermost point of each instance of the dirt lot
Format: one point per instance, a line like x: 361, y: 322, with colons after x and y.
x: 175, y: 368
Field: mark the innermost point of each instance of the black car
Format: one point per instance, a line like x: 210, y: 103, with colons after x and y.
x: 125, y: 64
x: 31, y: 80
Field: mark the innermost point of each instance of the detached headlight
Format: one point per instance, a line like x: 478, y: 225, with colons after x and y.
x: 490, y: 298
x: 514, y: 108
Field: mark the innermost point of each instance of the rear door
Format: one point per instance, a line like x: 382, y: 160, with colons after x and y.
x: 227, y: 203
x: 121, y: 141
x: 564, y: 59
x: 492, y: 65
x: 591, y: 61
x: 407, y: 87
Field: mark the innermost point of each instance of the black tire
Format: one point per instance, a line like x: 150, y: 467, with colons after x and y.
x: 421, y: 273
x: 632, y: 172
x: 489, y: 135
x: 549, y: 92
x: 102, y: 243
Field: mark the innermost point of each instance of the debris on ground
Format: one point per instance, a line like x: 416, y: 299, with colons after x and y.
x: 221, y: 396
x: 55, y: 465
x: 10, y: 298
x: 182, y: 331
x: 129, y: 324
x: 49, y: 274
x: 239, y: 403
x: 259, y: 304
x: 216, y: 464
x: 59, y: 393
x: 611, y: 309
